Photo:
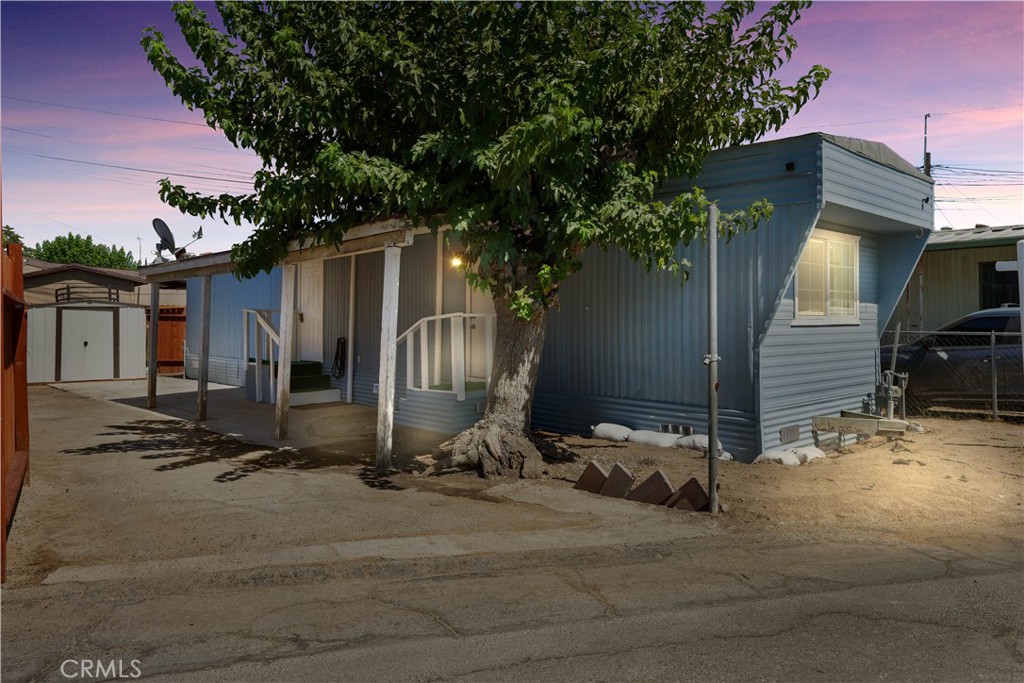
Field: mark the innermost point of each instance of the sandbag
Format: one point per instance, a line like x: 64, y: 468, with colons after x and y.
x: 611, y: 432
x: 650, y: 438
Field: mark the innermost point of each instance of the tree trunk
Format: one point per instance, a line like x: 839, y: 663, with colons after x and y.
x: 499, y: 444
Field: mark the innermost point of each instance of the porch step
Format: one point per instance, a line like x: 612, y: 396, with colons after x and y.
x: 309, y: 382
x: 311, y: 396
x: 438, y: 411
x: 300, y: 368
x: 307, y: 368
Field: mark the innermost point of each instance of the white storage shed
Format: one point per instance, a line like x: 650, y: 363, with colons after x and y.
x: 86, y: 341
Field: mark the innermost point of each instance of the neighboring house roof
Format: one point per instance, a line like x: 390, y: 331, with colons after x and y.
x: 128, y: 279
x: 981, y: 236
x: 34, y: 264
x: 73, y: 282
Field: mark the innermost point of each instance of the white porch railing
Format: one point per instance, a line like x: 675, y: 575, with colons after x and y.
x: 259, y: 323
x: 424, y: 336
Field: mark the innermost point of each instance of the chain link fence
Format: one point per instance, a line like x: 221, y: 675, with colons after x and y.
x: 973, y: 373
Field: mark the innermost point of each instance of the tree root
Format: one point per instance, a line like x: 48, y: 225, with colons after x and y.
x: 493, y: 449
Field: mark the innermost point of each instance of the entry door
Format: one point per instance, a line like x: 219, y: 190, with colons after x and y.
x: 310, y: 307
x: 87, y: 345
x: 477, y: 352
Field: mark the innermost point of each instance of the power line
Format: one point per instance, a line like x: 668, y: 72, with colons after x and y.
x: 142, y: 170
x: 104, y: 111
x: 40, y: 135
x: 903, y: 118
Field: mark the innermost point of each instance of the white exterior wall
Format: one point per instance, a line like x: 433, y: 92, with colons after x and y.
x: 133, y: 343
x: 42, y: 344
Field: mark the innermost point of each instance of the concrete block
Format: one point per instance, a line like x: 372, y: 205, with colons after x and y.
x: 592, y: 479
x: 654, y: 490
x: 618, y: 483
x: 690, y: 496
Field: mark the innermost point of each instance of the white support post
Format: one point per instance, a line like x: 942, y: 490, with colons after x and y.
x: 410, y: 360
x: 259, y: 359
x: 388, y: 334
x: 271, y: 373
x: 284, y: 350
x: 245, y: 340
x: 204, y: 347
x: 438, y: 305
x: 458, y: 358
x: 489, y: 323
x: 154, y: 346
x: 350, y: 341
x: 424, y: 355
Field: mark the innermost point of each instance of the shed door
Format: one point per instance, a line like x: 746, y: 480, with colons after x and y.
x: 310, y: 309
x: 87, y: 345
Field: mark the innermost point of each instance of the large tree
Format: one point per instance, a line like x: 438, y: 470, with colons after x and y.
x: 74, y: 248
x: 533, y: 130
x: 11, y: 236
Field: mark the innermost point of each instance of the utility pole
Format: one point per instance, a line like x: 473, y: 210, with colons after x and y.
x: 927, y: 157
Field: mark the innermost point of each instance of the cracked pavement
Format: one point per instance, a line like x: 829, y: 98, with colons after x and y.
x: 314, y: 574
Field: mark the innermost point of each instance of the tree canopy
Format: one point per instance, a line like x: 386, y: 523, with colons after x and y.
x: 10, y: 235
x: 534, y: 130
x: 74, y: 248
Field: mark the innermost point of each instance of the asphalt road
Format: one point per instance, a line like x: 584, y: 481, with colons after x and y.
x: 950, y: 629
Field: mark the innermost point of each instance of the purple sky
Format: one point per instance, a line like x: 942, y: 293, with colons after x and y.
x: 892, y: 63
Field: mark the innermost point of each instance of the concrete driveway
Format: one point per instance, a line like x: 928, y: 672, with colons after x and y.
x: 186, y: 554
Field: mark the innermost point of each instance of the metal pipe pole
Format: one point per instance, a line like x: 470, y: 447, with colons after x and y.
x: 995, y: 375
x: 154, y: 344
x: 711, y: 360
x: 926, y: 162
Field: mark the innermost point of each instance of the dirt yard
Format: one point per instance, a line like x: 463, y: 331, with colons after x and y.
x: 960, y: 478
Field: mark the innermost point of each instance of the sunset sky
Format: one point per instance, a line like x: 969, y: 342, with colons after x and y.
x: 88, y: 127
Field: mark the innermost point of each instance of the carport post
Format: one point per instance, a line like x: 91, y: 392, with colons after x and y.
x: 154, y: 347
x: 284, y: 350
x: 388, y: 334
x: 204, y: 347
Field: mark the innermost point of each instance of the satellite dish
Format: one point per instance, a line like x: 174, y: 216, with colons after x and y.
x: 167, y: 241
x: 164, y: 233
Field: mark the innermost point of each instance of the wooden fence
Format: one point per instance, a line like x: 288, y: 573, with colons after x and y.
x: 14, y: 385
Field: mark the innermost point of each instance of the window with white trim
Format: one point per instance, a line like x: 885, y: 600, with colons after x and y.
x: 827, y: 280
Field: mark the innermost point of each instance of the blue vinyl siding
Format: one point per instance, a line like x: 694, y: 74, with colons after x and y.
x: 415, y: 301
x: 810, y: 370
x: 228, y: 297
x: 627, y: 346
x: 857, y: 183
x: 336, y: 285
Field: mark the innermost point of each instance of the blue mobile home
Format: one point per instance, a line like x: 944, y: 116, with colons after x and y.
x: 803, y: 300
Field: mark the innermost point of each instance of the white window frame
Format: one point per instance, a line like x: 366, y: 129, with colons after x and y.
x: 806, y: 319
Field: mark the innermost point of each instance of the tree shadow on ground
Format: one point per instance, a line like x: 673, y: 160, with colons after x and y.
x: 183, y: 445
x: 379, y: 479
x: 552, y: 447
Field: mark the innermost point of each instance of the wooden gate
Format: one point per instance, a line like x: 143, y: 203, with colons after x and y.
x: 171, y: 348
x: 14, y: 385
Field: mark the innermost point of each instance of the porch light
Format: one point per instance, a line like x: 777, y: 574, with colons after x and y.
x: 456, y: 260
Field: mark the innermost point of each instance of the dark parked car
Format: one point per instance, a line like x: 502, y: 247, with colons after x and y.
x: 954, y: 364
